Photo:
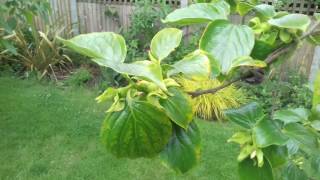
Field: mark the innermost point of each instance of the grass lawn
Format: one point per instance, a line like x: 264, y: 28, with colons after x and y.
x: 53, y: 133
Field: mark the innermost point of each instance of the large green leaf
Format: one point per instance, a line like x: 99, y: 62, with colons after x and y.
x: 109, y: 49
x: 227, y: 42
x: 292, y: 21
x: 292, y: 172
x: 276, y: 155
x: 248, y: 170
x: 312, y: 166
x: 105, y: 48
x: 292, y: 115
x: 266, y: 133
x: 183, y: 150
x: 146, y: 69
x: 265, y: 11
x: 246, y: 116
x: 199, y: 13
x: 164, y: 42
x: 178, y: 107
x: 139, y: 130
x: 195, y: 66
x: 305, y: 138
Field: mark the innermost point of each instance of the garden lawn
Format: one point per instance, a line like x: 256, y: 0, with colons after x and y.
x: 50, y: 132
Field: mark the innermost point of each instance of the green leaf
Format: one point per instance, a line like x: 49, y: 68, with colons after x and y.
x: 261, y: 50
x: 199, y: 13
x: 164, y: 42
x: 249, y: 171
x: 285, y: 36
x: 266, y: 133
x: 292, y: 115
x: 265, y: 11
x: 146, y: 69
x: 139, y: 130
x: 108, y: 94
x: 276, y: 155
x: 292, y: 172
x: 306, y: 139
x: 245, y: 151
x: 226, y: 42
x: 316, y: 125
x: 247, y: 61
x: 292, y: 21
x: 244, y: 8
x: 241, y: 137
x: 312, y: 167
x: 178, y: 107
x: 246, y: 116
x: 183, y: 150
x: 314, y: 38
x: 105, y: 48
x: 195, y: 66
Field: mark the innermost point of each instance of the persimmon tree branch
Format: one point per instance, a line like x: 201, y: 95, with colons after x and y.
x: 269, y: 60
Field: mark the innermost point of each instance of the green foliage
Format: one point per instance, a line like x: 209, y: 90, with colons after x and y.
x: 143, y: 112
x: 274, y: 93
x: 79, y: 78
x: 21, y: 43
x: 297, y: 137
x: 144, y: 24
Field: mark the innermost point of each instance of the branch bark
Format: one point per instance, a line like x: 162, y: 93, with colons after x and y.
x: 269, y: 60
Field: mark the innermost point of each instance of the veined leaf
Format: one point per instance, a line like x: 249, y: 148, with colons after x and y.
x: 199, y: 13
x: 244, y: 8
x: 178, y: 107
x: 195, y: 66
x: 164, y: 42
x: 292, y: 115
x: 276, y: 155
x: 105, y: 48
x: 183, y: 150
x: 306, y: 139
x: 265, y: 11
x: 146, y: 69
x: 248, y: 170
x: 266, y: 133
x: 316, y: 125
x: 227, y: 42
x: 292, y: 21
x: 293, y: 172
x: 109, y: 49
x: 246, y: 116
x: 139, y: 130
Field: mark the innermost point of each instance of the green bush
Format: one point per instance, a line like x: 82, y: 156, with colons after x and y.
x: 275, y: 94
x: 79, y: 78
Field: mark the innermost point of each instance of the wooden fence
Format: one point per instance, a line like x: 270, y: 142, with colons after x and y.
x: 84, y: 16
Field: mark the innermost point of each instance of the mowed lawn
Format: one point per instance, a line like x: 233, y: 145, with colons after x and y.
x: 50, y: 132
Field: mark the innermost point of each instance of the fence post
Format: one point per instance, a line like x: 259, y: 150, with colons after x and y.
x: 315, y: 67
x: 184, y: 3
x: 74, y: 17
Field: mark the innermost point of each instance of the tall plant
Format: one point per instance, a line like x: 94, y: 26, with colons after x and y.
x: 153, y: 116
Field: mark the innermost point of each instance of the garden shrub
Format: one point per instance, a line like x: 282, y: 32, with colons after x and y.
x: 79, y: 78
x: 274, y: 93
